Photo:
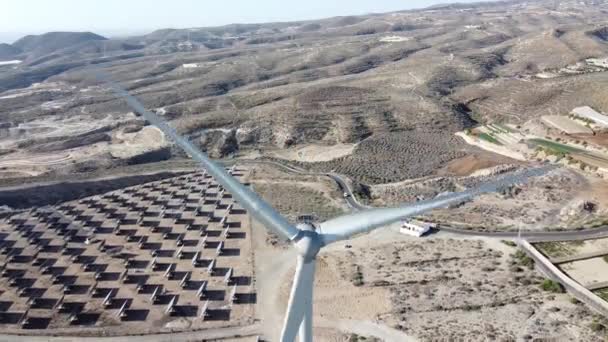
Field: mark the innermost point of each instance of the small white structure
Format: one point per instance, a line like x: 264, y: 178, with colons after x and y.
x: 190, y: 65
x: 13, y: 62
x: 589, y: 113
x: 599, y: 62
x: 415, y: 228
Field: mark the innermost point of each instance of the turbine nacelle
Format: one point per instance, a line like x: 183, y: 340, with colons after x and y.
x: 308, y: 242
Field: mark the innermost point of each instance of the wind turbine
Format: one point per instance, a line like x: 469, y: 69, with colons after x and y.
x: 307, y: 238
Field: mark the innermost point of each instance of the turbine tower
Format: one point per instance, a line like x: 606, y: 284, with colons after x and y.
x: 309, y: 239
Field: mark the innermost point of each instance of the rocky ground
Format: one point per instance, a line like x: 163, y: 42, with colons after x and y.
x: 554, y: 201
x: 294, y: 195
x: 461, y: 290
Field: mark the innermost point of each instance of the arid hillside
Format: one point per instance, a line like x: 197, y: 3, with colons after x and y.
x: 393, y: 88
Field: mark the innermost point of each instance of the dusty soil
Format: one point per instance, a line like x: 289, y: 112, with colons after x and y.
x: 600, y: 139
x: 587, y: 272
x: 572, y: 248
x: 567, y: 125
x: 314, y: 153
x: 465, y: 166
x: 295, y: 195
x: 418, y: 289
x: 128, y: 145
x: 432, y: 297
x: 539, y: 204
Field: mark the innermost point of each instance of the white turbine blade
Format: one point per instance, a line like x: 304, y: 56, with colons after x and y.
x: 300, y: 300
x: 344, y: 227
x: 261, y: 210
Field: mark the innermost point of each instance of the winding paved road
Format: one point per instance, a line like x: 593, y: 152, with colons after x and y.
x: 532, y: 236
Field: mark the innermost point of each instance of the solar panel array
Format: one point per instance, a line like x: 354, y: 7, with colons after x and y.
x: 140, y: 255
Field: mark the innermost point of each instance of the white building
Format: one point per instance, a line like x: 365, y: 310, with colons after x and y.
x: 589, y: 113
x: 415, y: 228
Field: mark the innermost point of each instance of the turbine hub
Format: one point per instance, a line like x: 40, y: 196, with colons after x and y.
x: 308, y: 243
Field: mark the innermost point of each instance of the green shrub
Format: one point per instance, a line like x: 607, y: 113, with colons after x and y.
x: 488, y: 138
x: 552, y: 286
x: 357, y: 277
x: 597, y: 326
x: 523, y: 259
x: 509, y: 243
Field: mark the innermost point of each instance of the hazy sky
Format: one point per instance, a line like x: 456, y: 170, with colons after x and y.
x: 116, y: 17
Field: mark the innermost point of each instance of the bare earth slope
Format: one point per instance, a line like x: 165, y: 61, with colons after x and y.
x: 396, y: 86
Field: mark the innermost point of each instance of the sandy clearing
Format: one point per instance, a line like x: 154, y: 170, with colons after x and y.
x: 565, y: 124
x: 35, y: 160
x: 467, y: 165
x: 337, y: 298
x: 366, y: 328
x: 340, y: 305
x: 592, y: 246
x: 127, y: 145
x: 315, y: 153
x: 491, y: 147
x: 588, y: 271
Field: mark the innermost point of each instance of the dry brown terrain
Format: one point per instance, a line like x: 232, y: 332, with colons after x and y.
x: 437, y: 288
x: 395, y: 87
x: 295, y: 195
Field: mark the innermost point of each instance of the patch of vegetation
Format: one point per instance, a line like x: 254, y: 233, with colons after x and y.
x: 552, y: 286
x: 597, y: 327
x: 292, y: 200
x: 574, y: 300
x: 554, y: 146
x: 605, y: 258
x: 509, y: 243
x: 487, y: 137
x: 357, y: 276
x: 580, y: 118
x: 523, y: 259
x: 603, y: 293
x: 471, y: 307
x: 357, y: 338
x: 559, y: 249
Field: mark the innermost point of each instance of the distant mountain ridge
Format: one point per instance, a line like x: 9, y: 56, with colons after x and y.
x: 8, y: 51
x: 39, y: 45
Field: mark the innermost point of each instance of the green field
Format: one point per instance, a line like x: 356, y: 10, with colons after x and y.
x: 488, y: 138
x: 556, y: 147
